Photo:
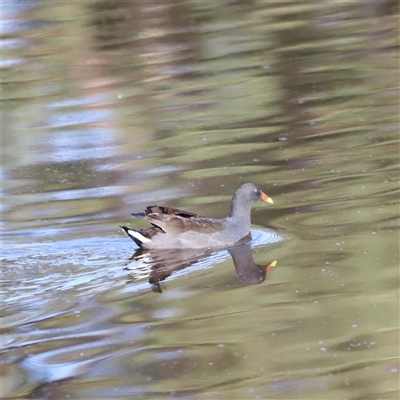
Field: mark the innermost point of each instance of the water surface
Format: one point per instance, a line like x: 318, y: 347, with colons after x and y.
x: 112, y: 106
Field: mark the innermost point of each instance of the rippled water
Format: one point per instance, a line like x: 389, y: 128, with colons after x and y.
x: 112, y: 106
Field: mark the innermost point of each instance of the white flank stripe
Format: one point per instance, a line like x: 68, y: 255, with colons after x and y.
x: 138, y: 236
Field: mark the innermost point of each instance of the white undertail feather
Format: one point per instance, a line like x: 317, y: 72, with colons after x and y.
x: 138, y: 236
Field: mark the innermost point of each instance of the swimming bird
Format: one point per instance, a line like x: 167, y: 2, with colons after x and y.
x: 173, y: 228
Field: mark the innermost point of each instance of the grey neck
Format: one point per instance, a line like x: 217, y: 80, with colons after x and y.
x: 240, y: 210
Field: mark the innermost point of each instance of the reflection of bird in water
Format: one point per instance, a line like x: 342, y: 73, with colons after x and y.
x: 173, y: 228
x: 157, y: 265
x: 249, y: 272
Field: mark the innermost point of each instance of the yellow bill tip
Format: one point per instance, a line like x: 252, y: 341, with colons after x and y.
x: 271, y: 265
x: 266, y: 198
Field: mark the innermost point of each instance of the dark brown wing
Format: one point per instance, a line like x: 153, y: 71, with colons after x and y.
x: 176, y: 224
x: 165, y: 210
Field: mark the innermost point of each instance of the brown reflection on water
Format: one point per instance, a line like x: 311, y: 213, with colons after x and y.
x: 153, y: 46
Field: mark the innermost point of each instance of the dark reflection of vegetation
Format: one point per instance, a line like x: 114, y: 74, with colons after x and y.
x: 157, y: 265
